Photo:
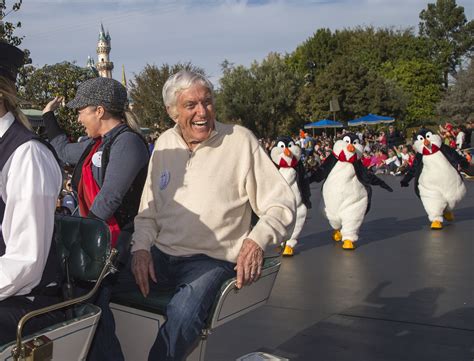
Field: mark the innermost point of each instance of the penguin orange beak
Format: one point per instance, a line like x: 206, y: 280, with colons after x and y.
x: 287, y: 152
x: 350, y: 148
x: 426, y: 142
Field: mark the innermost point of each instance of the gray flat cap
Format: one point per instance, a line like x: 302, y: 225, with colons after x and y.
x: 101, y: 91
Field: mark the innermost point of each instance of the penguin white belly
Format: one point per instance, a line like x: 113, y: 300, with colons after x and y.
x: 439, y: 184
x: 290, y: 176
x: 345, y: 200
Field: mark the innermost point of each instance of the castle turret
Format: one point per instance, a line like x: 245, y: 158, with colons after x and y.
x: 104, y: 65
x: 90, y: 66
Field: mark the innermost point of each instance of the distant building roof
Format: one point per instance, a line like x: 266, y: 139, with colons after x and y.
x: 35, y: 117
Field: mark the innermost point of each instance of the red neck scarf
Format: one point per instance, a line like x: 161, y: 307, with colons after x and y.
x: 434, y: 149
x: 284, y: 163
x: 342, y: 157
x: 88, y: 190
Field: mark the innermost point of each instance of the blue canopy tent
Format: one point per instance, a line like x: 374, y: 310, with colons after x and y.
x: 370, y: 119
x: 324, y: 123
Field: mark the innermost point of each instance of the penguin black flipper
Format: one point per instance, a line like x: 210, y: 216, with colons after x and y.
x: 367, y: 179
x: 454, y: 157
x: 324, y: 169
x: 414, y: 171
x: 303, y: 184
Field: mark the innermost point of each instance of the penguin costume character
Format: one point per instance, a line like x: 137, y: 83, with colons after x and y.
x: 438, y: 183
x: 346, y: 190
x: 286, y: 155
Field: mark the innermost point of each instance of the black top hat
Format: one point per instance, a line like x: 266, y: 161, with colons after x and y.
x: 11, y: 59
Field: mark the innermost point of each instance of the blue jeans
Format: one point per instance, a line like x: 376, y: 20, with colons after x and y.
x: 105, y: 345
x: 196, y: 281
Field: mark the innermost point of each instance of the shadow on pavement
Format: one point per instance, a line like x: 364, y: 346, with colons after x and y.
x: 387, y: 329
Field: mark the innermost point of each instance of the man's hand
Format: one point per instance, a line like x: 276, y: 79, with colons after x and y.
x: 142, y: 267
x: 249, y: 263
x: 53, y: 104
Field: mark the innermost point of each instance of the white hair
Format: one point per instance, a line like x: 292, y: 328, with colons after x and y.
x: 182, y: 80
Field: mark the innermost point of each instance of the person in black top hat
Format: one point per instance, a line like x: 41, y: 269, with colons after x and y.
x: 30, y: 181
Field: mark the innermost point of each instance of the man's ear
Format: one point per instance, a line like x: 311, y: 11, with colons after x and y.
x: 172, y: 113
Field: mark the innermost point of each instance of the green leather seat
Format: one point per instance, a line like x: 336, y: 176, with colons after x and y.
x: 84, y: 243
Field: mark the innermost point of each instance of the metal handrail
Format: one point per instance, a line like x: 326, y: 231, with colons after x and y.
x: 18, y: 352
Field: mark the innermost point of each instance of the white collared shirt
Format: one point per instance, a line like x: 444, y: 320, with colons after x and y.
x: 29, y: 185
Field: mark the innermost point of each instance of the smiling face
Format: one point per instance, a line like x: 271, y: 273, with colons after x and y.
x: 90, y: 120
x: 195, y: 115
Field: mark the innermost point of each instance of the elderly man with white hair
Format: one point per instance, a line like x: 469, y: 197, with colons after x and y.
x: 193, y: 230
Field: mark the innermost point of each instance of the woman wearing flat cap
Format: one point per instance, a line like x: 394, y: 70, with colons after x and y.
x: 30, y: 181
x: 109, y: 174
x: 110, y: 167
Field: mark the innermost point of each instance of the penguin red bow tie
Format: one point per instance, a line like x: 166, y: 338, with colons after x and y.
x: 284, y: 163
x: 342, y: 157
x: 434, y: 149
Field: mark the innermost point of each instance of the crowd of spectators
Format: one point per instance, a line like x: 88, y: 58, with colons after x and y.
x: 386, y: 151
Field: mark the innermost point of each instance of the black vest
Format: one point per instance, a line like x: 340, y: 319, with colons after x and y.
x: 128, y: 209
x: 14, y: 137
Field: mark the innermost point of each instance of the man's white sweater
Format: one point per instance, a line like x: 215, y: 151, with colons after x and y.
x: 201, y: 202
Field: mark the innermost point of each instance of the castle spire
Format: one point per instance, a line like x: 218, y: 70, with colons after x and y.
x: 104, y: 65
x: 124, y: 79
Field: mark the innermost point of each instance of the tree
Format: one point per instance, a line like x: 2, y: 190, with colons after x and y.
x: 421, y: 82
x: 146, y: 94
x: 314, y: 54
x: 262, y: 97
x: 450, y: 34
x: 363, y: 56
x: 60, y: 79
x: 7, y: 28
x: 458, y: 102
x: 360, y: 90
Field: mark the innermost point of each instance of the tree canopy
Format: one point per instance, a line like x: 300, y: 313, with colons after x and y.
x: 458, y: 102
x: 62, y: 79
x: 451, y: 36
x: 7, y: 28
x: 262, y: 98
x: 358, y: 88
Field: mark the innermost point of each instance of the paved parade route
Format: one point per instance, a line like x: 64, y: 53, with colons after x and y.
x: 405, y: 294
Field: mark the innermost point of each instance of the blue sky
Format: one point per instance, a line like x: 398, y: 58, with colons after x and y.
x: 204, y: 32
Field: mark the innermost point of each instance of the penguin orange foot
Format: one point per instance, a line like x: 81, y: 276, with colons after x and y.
x: 449, y: 216
x: 288, y: 251
x: 436, y: 225
x: 337, y: 235
x: 348, y: 245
